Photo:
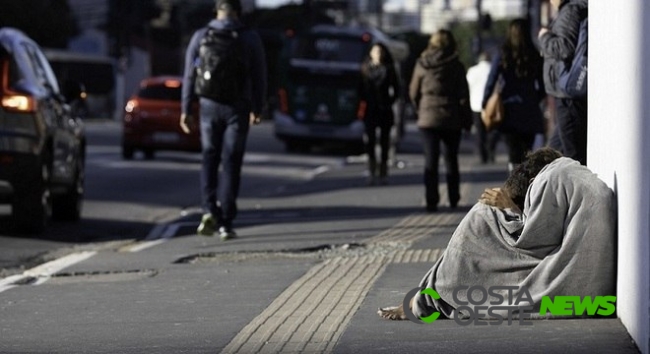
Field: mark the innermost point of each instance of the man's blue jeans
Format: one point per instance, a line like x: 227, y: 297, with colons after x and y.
x: 224, y: 130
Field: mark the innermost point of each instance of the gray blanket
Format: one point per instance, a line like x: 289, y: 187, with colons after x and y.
x: 563, y: 244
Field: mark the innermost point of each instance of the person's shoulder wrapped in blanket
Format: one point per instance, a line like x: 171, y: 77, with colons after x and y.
x: 563, y: 244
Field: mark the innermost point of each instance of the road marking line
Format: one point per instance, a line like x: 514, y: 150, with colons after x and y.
x: 57, y: 265
x: 44, y: 272
x: 9, y: 282
x: 317, y: 171
x: 144, y: 245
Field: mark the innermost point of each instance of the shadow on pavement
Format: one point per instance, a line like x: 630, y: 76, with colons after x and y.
x: 94, y: 230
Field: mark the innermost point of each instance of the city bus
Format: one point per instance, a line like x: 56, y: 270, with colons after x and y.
x: 320, y: 71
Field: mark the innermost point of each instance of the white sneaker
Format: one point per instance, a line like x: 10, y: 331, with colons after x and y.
x: 227, y: 233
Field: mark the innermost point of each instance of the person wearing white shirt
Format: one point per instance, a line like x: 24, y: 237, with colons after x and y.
x: 477, y: 76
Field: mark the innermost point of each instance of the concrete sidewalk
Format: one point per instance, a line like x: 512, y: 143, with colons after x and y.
x: 333, y: 306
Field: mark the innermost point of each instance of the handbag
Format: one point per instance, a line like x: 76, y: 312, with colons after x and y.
x: 492, y: 114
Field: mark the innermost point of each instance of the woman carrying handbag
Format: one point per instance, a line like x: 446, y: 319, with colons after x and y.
x: 516, y: 74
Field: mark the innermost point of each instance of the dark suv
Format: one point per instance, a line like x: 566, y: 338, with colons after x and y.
x: 42, y: 144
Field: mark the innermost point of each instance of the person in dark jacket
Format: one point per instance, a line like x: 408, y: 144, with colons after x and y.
x: 558, y: 43
x: 440, y: 93
x: 224, y: 125
x: 378, y: 91
x: 517, y: 69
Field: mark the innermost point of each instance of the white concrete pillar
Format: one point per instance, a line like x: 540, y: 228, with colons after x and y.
x: 619, y: 144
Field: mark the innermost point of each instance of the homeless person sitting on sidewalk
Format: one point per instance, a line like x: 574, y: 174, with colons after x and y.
x: 549, y: 230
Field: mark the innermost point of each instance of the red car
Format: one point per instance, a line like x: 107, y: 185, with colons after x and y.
x: 152, y: 116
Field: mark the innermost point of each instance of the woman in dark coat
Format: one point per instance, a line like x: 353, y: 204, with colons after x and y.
x: 439, y: 90
x: 378, y: 91
x: 517, y: 69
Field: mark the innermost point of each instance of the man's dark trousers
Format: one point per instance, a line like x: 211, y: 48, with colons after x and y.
x: 571, y: 118
x: 224, y: 129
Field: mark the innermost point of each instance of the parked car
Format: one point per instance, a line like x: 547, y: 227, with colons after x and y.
x: 152, y: 119
x: 42, y: 144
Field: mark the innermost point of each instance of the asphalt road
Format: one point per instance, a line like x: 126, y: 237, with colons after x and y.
x: 128, y: 200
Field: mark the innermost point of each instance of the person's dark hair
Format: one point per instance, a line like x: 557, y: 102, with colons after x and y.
x: 228, y: 5
x: 386, y: 58
x: 519, y: 51
x: 521, y: 177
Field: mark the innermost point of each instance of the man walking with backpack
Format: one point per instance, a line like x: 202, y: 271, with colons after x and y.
x: 558, y: 45
x: 225, y: 69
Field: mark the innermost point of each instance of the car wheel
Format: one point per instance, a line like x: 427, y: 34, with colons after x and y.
x: 68, y: 206
x: 32, y: 211
x: 127, y: 152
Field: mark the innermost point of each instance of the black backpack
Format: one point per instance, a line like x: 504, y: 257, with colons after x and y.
x: 221, y: 71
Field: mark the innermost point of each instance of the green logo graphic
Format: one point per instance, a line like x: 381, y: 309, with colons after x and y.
x: 406, y: 305
x: 434, y: 316
x: 577, y: 306
x: 506, y: 304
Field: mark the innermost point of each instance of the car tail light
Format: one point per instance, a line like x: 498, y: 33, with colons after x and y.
x: 361, y: 110
x: 284, y: 101
x: 19, y: 103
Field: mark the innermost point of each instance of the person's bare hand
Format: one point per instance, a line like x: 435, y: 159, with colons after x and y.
x: 497, y: 197
x: 254, y: 118
x: 187, y: 123
x: 542, y: 31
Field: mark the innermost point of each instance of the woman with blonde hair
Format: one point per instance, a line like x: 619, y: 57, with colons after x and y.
x: 440, y: 93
